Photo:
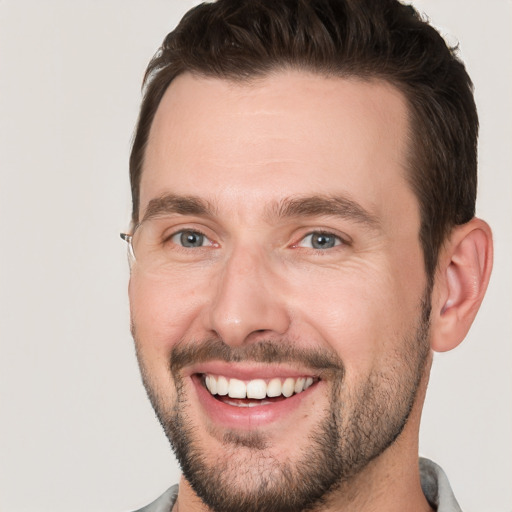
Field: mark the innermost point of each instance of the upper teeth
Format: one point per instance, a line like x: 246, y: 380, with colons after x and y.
x: 257, y: 388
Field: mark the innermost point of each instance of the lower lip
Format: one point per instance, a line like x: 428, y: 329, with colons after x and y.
x: 246, y: 418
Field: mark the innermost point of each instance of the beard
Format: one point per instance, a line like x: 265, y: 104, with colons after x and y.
x: 358, y: 425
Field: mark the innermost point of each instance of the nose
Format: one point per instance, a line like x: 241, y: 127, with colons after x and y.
x: 248, y: 300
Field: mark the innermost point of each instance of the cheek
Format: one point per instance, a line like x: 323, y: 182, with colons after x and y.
x: 349, y: 321
x: 161, y: 311
x: 361, y: 312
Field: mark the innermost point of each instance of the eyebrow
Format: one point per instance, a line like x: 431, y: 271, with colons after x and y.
x: 328, y: 206
x: 296, y: 206
x: 182, y: 205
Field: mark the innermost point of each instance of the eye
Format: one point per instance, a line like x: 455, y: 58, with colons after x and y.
x: 190, y: 239
x: 320, y: 240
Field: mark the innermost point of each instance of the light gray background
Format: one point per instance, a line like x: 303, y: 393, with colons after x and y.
x: 76, y: 431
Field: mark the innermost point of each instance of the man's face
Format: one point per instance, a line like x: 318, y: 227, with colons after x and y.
x: 286, y: 260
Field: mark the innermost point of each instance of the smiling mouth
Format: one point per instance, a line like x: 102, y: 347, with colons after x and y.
x: 255, y: 392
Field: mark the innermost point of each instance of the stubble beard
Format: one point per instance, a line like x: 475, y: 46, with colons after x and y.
x: 354, y: 430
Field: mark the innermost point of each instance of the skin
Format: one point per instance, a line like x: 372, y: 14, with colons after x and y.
x: 245, y: 148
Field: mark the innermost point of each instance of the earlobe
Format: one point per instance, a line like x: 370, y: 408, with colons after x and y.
x: 462, y: 276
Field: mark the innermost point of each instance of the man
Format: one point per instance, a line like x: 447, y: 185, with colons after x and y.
x: 303, y: 181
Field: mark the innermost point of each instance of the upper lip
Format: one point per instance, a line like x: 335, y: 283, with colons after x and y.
x: 248, y: 371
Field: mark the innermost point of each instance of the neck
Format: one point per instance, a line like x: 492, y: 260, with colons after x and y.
x: 389, y: 483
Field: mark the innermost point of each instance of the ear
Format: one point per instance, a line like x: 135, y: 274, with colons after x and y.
x: 462, y: 276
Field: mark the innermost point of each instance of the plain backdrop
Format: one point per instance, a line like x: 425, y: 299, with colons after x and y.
x: 76, y: 430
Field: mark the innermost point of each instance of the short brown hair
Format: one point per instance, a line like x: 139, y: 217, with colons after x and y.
x: 241, y: 39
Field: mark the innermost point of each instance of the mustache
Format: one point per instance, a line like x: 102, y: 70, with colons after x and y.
x: 184, y: 354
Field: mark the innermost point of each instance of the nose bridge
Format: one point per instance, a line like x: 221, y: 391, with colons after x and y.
x: 246, y: 299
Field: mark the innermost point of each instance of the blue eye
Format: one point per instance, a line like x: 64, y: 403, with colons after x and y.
x: 190, y: 239
x: 320, y: 241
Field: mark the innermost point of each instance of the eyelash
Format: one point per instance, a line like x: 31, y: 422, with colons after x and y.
x: 339, y: 241
x: 193, y: 232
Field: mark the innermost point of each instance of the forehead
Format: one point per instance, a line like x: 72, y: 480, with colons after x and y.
x: 290, y: 133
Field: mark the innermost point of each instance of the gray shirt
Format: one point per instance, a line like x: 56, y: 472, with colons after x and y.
x: 434, y: 483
